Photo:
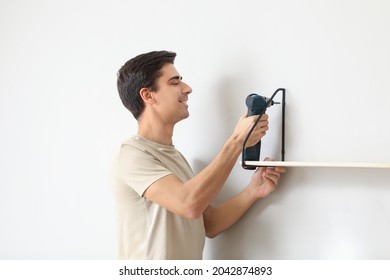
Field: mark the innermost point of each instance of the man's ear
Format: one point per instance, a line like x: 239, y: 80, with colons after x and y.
x: 146, y: 95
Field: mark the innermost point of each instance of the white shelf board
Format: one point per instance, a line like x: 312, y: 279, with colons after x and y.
x: 317, y: 164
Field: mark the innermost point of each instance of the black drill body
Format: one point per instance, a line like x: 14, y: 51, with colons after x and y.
x: 257, y: 105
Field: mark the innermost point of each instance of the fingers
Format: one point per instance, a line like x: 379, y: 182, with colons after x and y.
x: 261, y: 127
x: 280, y: 169
x: 263, y: 122
x: 273, y: 173
x: 263, y: 118
x: 246, y: 124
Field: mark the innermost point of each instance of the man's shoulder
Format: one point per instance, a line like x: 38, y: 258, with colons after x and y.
x: 137, y: 146
x: 135, y: 142
x: 132, y: 139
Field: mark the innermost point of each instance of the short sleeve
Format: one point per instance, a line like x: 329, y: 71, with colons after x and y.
x: 138, y: 168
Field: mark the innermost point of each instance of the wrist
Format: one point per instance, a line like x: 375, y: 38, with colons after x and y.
x: 235, y: 141
x: 250, y: 194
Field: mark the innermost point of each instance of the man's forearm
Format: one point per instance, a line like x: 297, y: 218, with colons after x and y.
x: 205, y: 186
x: 225, y: 215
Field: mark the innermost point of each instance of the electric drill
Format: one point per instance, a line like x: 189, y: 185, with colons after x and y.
x: 257, y: 105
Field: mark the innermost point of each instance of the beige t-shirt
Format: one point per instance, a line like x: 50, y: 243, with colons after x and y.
x: 147, y: 230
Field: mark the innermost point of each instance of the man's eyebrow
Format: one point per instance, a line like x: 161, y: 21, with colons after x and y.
x: 176, y: 78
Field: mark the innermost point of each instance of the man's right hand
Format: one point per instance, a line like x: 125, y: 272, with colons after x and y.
x: 245, y: 124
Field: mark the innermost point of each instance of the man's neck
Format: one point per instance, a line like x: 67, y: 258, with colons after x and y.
x: 156, y: 133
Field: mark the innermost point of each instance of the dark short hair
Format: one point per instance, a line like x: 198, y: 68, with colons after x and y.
x: 140, y: 72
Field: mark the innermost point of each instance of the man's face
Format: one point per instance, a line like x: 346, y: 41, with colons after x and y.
x: 171, y: 95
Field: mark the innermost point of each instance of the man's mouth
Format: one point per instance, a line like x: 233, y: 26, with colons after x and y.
x: 183, y: 101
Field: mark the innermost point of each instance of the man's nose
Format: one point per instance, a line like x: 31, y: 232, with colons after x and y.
x: 186, y: 88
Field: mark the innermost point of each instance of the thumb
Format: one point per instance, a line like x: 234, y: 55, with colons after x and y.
x: 244, y: 115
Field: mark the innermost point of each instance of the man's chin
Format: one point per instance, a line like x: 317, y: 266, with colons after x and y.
x: 184, y: 116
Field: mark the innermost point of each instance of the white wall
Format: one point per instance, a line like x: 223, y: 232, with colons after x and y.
x: 61, y: 119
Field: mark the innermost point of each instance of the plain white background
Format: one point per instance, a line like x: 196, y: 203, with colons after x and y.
x: 61, y: 119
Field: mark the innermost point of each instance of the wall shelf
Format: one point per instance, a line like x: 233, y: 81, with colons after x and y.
x: 249, y: 162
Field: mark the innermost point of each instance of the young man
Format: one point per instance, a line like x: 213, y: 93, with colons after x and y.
x: 164, y: 209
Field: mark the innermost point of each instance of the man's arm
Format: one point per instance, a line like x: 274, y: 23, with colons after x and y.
x: 190, y: 199
x: 264, y: 181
